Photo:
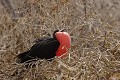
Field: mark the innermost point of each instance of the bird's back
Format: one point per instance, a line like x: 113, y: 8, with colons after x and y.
x: 44, y: 49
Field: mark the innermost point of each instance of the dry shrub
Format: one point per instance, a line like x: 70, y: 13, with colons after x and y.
x: 94, y: 28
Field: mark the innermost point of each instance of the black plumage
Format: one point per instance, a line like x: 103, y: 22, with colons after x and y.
x: 44, y: 48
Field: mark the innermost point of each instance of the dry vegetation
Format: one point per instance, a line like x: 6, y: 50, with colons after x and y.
x: 94, y: 26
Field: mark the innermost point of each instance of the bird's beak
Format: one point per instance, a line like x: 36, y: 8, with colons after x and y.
x: 62, y: 30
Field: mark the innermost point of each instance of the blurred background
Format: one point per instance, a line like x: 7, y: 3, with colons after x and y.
x: 94, y: 27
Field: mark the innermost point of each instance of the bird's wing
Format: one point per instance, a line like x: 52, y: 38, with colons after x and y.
x: 44, y: 47
x: 42, y: 42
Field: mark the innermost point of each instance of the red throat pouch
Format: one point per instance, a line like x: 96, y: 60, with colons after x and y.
x: 65, y: 43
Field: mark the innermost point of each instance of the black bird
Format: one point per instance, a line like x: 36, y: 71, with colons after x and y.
x: 47, y: 48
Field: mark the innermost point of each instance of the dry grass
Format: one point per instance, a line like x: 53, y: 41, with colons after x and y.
x: 94, y: 26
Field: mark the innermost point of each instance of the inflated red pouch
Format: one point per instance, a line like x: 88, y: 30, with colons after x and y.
x: 65, y: 43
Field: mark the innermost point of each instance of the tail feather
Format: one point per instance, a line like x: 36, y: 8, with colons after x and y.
x: 22, y: 57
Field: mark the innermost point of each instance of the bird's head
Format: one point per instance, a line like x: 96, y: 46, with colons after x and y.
x: 65, y: 42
